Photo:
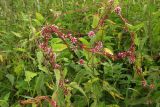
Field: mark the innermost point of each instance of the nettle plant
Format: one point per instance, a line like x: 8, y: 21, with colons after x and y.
x: 83, y: 64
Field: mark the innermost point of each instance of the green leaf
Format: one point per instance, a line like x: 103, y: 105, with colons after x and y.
x: 99, y: 35
x: 68, y: 100
x: 6, y: 97
x: 110, y: 22
x: 27, y: 97
x: 19, y: 68
x: 43, y: 68
x: 112, y: 105
x: 40, y: 80
x: 58, y: 76
x: 20, y: 49
x: 4, y: 101
x: 11, y: 78
x: 56, y: 40
x: 34, y: 105
x: 136, y: 27
x: 138, y: 101
x: 16, y: 34
x: 80, y: 101
x: 111, y: 90
x: 88, y: 84
x: 136, y: 40
x: 58, y: 47
x: 76, y: 86
x: 108, y: 51
x: 39, y: 57
x: 39, y: 17
x: 84, y: 41
x: 1, y: 58
x: 29, y: 75
x: 95, y: 21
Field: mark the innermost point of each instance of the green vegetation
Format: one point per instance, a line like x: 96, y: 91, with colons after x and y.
x: 118, y: 64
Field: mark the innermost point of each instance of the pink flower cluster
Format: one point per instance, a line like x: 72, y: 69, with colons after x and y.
x: 91, y: 33
x: 53, y: 103
x: 132, y: 58
x: 124, y: 54
x: 46, y: 49
x: 73, y: 39
x: 98, y: 47
x: 152, y: 86
x: 81, y: 61
x: 118, y: 10
x: 46, y: 33
x: 144, y: 83
x: 111, y: 1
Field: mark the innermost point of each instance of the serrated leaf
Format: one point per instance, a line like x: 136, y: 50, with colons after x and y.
x: 29, y: 75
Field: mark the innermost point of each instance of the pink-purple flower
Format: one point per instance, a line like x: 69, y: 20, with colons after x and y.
x: 144, y: 83
x: 122, y: 54
x: 81, y: 61
x: 99, y: 46
x: 91, y: 34
x: 118, y: 10
x: 73, y: 39
x: 111, y: 1
x: 151, y: 86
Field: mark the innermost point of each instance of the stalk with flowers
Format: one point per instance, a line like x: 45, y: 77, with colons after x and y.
x: 74, y: 44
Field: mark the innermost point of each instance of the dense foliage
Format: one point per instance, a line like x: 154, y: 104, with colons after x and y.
x: 80, y: 53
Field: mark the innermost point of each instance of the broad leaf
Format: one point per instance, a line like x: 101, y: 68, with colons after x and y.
x: 58, y: 47
x: 29, y: 75
x: 95, y: 21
